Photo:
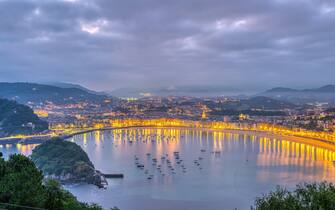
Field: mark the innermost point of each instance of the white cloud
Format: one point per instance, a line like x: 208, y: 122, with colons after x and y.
x: 37, y: 11
x: 326, y: 9
x: 39, y: 39
x: 94, y: 27
x: 150, y: 41
x: 228, y: 25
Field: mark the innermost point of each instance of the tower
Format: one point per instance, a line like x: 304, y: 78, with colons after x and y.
x: 203, y: 115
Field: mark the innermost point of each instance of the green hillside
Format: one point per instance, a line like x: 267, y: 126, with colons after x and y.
x: 66, y: 162
x: 19, y: 119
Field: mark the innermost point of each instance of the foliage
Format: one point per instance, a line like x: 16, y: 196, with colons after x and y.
x: 57, y: 157
x: 21, y: 183
x: 230, y: 112
x: 254, y: 103
x: 306, y: 196
x: 19, y: 119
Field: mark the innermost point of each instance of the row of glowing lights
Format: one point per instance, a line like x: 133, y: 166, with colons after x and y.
x: 63, y: 129
x: 221, y: 141
x: 280, y: 130
x: 200, y: 124
x: 266, y: 145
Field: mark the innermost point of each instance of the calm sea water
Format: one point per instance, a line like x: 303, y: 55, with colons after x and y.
x: 216, y: 170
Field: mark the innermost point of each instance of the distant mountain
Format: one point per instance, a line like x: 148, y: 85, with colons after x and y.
x: 322, y: 94
x: 187, y: 90
x: 38, y: 93
x: 324, y: 89
x: 255, y: 106
x: 266, y: 103
x: 19, y: 119
x: 281, y: 89
x: 70, y: 85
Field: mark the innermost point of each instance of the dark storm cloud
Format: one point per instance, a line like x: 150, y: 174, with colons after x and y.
x: 108, y: 44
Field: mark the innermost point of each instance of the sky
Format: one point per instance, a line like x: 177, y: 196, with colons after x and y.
x: 110, y: 44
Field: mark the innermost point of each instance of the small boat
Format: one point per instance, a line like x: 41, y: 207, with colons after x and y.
x: 140, y: 166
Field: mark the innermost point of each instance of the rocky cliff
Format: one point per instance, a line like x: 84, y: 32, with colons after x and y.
x: 66, y: 162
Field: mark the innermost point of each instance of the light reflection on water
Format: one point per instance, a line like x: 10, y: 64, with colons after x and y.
x: 246, y: 167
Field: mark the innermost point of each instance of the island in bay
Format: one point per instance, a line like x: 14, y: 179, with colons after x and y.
x: 66, y: 162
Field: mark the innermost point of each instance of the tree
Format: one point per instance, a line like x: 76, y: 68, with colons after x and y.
x: 21, y: 183
x: 306, y: 196
x: 54, y: 195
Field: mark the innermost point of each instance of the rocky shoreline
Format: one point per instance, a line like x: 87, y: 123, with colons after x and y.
x: 66, y: 162
x: 89, y: 176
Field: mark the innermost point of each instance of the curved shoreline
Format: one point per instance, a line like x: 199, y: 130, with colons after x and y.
x: 310, y: 141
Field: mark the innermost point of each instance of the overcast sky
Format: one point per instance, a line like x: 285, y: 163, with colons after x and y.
x: 109, y: 44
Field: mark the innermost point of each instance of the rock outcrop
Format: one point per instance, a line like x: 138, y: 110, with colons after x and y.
x: 67, y: 163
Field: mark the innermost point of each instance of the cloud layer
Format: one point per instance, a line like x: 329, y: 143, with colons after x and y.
x: 108, y: 44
